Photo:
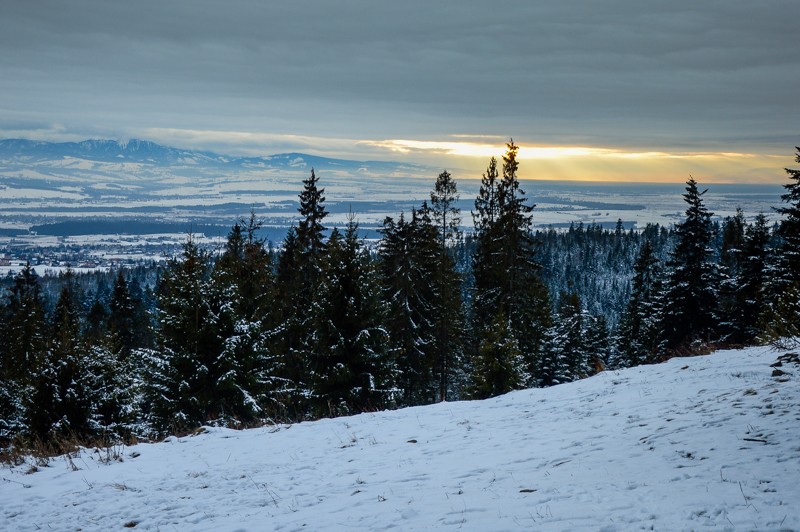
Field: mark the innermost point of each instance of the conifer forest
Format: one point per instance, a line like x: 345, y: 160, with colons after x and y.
x: 327, y: 323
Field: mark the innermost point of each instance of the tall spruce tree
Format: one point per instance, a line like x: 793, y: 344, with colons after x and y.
x: 782, y: 317
x: 407, y: 254
x: 504, y: 266
x: 22, y: 349
x: 487, y: 206
x: 310, y: 230
x: 487, y: 246
x: 789, y: 251
x: 299, y: 275
x: 24, y: 335
x: 692, y: 285
x: 447, y: 303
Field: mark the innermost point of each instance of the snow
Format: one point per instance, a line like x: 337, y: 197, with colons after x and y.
x: 10, y: 193
x: 708, y: 442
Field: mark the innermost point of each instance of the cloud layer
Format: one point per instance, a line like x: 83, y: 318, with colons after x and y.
x: 713, y: 76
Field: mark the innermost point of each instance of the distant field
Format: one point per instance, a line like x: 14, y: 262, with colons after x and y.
x: 557, y: 204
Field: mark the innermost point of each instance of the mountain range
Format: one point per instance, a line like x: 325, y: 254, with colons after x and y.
x: 148, y: 152
x: 102, y: 183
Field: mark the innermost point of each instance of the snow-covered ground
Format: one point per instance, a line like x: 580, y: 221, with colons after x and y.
x: 709, y: 442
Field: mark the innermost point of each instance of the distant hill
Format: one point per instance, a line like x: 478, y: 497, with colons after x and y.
x: 23, y: 151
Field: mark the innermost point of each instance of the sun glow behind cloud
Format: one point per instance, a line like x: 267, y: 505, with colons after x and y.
x: 476, y: 149
x: 480, y: 149
x: 601, y: 163
x: 467, y: 156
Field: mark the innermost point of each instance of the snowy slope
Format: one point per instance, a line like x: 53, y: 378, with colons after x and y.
x: 700, y: 443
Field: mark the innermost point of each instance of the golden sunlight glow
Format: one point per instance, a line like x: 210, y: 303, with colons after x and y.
x: 468, y: 154
x: 484, y: 150
x: 586, y: 163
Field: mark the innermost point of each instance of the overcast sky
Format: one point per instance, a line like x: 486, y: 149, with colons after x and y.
x: 617, y: 89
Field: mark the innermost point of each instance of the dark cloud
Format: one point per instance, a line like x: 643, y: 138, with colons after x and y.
x: 628, y: 73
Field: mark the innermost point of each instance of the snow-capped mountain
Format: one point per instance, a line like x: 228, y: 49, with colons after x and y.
x: 23, y: 151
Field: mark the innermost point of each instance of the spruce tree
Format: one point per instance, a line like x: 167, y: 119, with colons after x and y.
x: 310, y: 229
x: 96, y: 330
x: 182, y: 372
x: 733, y: 236
x: 487, y: 249
x: 639, y: 332
x: 299, y: 275
x: 487, y: 205
x: 61, y: 397
x: 789, y: 251
x: 349, y: 363
x: 783, y: 301
x: 504, y: 266
x: 570, y: 360
x: 730, y: 270
x: 406, y: 261
x: 447, y: 303
x: 242, y: 296
x: 498, y: 361
x: 24, y: 326
x: 22, y: 349
x: 692, y: 284
x: 121, y: 324
x: 143, y: 323
x: 745, y: 315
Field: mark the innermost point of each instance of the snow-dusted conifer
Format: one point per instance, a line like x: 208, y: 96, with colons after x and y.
x: 61, y: 403
x: 122, y: 318
x: 310, y: 230
x: 406, y: 254
x: 244, y: 313
x: 448, y: 315
x: 639, y: 330
x: 22, y: 348
x: 498, y: 362
x: 568, y: 341
x: 182, y: 371
x: 299, y: 274
x: 348, y: 355
x: 692, y: 285
x: 782, y: 317
x: 504, y: 266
